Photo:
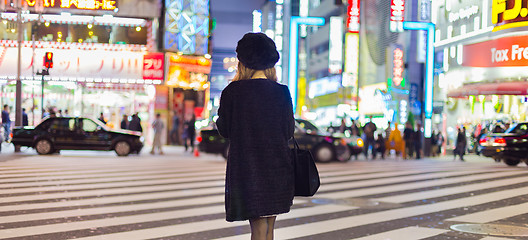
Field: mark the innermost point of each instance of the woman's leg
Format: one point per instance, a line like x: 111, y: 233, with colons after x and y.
x: 271, y: 226
x: 259, y: 228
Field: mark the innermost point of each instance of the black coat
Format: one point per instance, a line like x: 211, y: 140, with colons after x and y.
x: 256, y: 116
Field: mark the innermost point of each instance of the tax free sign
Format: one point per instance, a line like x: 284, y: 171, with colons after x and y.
x: 502, y: 52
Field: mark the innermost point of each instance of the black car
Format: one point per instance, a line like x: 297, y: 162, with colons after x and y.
x: 324, y: 147
x: 76, y: 133
x: 510, y: 146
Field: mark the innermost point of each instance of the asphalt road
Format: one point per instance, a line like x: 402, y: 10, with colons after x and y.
x: 97, y: 195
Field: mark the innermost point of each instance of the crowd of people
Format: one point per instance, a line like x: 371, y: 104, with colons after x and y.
x: 378, y: 143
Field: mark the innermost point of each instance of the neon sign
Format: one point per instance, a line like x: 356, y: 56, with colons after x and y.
x: 397, y: 13
x: 508, y: 14
x: 77, y: 4
x: 397, y: 69
x: 353, y: 16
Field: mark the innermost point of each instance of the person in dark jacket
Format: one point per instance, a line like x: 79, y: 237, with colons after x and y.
x: 124, y: 122
x: 408, y: 137
x: 25, y: 119
x: 135, y: 124
x: 417, y: 141
x: 256, y: 116
x: 190, y: 133
x: 461, y: 143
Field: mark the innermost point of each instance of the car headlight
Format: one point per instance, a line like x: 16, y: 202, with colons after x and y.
x: 360, y: 142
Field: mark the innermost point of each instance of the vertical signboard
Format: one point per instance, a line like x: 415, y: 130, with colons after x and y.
x: 353, y: 16
x: 397, y: 13
x: 153, y: 66
x: 350, y: 73
x: 335, y: 55
x: 425, y: 16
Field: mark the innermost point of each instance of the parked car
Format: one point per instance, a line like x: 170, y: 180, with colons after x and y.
x: 76, y: 133
x: 324, y: 147
x: 511, y: 147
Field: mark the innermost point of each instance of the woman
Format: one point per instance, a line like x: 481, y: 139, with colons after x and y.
x: 256, y: 116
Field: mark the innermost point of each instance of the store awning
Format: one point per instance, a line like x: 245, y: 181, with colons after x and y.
x: 504, y: 88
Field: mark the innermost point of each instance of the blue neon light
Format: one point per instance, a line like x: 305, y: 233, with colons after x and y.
x: 294, y: 51
x: 429, y: 71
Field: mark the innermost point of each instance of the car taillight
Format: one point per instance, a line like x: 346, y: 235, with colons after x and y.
x: 499, y: 142
x: 199, y: 139
x: 483, y: 140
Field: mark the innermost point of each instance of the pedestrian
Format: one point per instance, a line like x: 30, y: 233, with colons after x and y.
x: 59, y: 113
x: 174, y: 133
x: 369, y: 129
x: 395, y: 141
x: 158, y: 127
x: 434, y: 144
x: 101, y: 118
x: 440, y: 142
x: 461, y: 143
x: 135, y: 124
x: 478, y: 147
x: 66, y: 114
x: 190, y: 133
x: 6, y: 122
x: 256, y: 116
x: 25, y: 120
x: 417, y: 141
x: 124, y: 122
x: 379, y: 147
x: 408, y: 138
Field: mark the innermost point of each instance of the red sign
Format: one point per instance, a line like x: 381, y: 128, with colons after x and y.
x: 397, y: 69
x: 153, y: 66
x: 353, y: 16
x: 502, y: 52
x: 397, y: 10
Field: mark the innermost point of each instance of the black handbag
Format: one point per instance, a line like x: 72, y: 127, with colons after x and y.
x: 306, y: 175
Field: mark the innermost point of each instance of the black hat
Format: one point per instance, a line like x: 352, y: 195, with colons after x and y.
x: 257, y: 51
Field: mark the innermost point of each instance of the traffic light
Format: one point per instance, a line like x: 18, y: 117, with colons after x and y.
x: 48, y: 60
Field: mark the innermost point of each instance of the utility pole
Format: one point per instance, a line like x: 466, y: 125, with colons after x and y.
x: 18, y: 102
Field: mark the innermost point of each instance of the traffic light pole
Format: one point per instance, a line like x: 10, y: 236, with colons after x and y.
x: 43, y: 73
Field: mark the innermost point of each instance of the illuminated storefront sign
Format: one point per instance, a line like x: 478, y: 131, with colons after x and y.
x: 324, y: 86
x: 257, y: 21
x: 502, y: 52
x: 397, y: 13
x: 335, y: 55
x: 508, y: 14
x: 350, y: 73
x: 153, y: 66
x: 76, y: 4
x: 463, y: 13
x: 353, y: 16
x: 100, y: 66
x: 371, y: 99
x: 397, y: 67
x: 188, y: 72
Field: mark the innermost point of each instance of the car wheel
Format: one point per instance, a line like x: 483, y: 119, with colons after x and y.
x: 122, y: 148
x: 512, y: 161
x: 44, y: 147
x: 343, y: 154
x: 324, y: 153
x: 225, y: 152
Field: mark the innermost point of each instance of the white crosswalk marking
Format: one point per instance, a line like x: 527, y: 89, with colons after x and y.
x: 125, y: 198
x: 405, y: 234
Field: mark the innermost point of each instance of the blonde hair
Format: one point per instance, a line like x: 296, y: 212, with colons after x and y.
x: 244, y: 72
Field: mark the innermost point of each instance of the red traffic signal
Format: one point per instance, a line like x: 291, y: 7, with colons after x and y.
x: 48, y: 60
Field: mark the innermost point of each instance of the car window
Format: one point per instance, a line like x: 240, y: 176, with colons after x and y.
x: 62, y: 124
x: 309, y: 127
x: 519, y: 129
x: 88, y: 125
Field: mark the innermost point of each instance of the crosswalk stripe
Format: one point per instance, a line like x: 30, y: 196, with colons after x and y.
x: 407, y: 233
x: 307, y: 229
x: 493, y: 214
x: 496, y: 238
x: 213, y: 224
x: 451, y: 190
x: 400, y: 187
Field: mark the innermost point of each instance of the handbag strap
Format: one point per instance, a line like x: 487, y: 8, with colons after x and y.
x: 295, y: 144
